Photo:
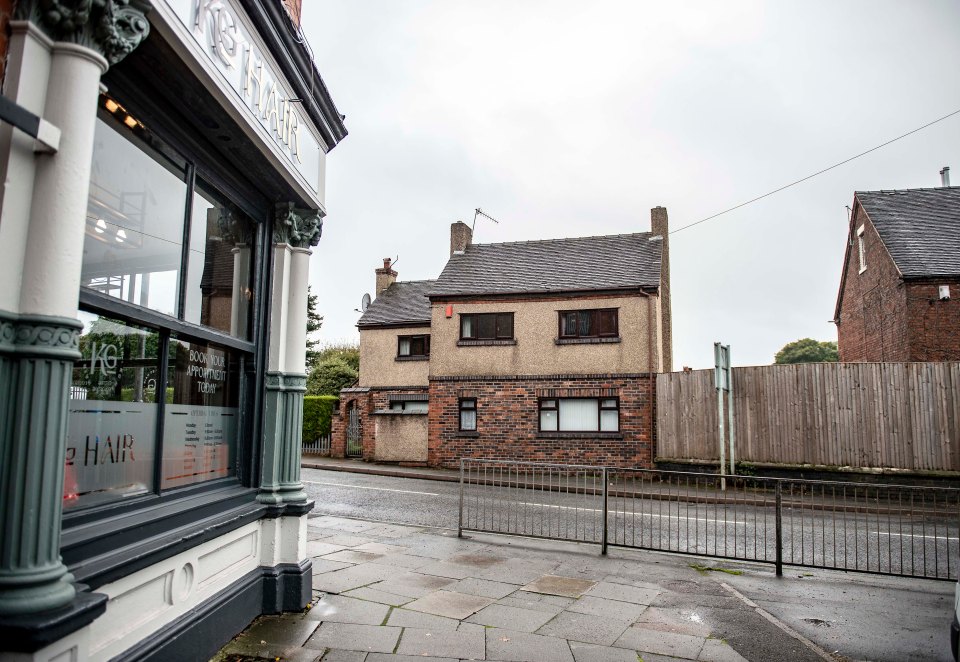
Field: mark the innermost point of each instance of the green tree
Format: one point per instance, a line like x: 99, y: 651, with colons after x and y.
x: 347, y: 352
x: 807, y: 350
x: 314, y: 322
x: 329, y: 375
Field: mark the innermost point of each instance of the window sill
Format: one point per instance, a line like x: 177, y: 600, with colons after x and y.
x: 585, y: 341
x: 467, y: 433
x: 480, y: 343
x: 412, y: 358
x: 580, y: 435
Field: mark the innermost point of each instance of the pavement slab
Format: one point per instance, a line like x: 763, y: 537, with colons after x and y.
x: 450, y: 604
x: 352, y: 556
x: 512, y: 646
x: 347, y: 636
x: 588, y: 604
x: 286, y: 630
x: 592, y: 653
x: 623, y: 593
x: 569, y: 587
x: 511, y: 618
x: 356, y: 576
x: 343, y: 656
x: 321, y: 566
x: 418, y: 619
x: 321, y: 548
x: 552, y: 604
x: 342, y: 609
x: 680, y: 621
x: 517, y: 571
x: 442, y: 643
x: 405, y: 561
x: 380, y: 548
x: 602, y: 630
x: 449, y: 570
x: 373, y: 595
x: 380, y: 657
x: 347, y: 540
x: 661, y: 643
x: 717, y: 650
x: 413, y: 584
x: 483, y: 587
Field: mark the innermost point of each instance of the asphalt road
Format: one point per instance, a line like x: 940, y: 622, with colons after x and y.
x: 911, y: 544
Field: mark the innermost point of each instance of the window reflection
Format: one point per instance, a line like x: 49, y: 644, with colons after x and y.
x: 111, y: 432
x: 219, y: 293
x: 134, y: 229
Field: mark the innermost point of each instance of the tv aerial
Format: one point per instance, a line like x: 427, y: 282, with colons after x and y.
x: 480, y: 212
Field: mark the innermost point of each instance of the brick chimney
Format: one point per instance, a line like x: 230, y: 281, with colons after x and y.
x: 385, y: 277
x: 660, y: 226
x: 461, y: 236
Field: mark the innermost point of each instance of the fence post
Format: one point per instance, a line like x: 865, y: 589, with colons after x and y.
x: 779, y: 560
x: 460, y: 517
x: 603, y: 535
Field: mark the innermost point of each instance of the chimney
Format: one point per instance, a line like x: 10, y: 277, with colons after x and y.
x: 945, y: 176
x: 461, y: 236
x: 385, y: 277
x: 660, y: 226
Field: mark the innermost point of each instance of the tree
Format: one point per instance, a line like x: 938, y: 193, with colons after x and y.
x: 337, y: 366
x: 808, y: 350
x: 314, y: 322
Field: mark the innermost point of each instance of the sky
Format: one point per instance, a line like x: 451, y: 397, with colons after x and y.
x: 566, y: 119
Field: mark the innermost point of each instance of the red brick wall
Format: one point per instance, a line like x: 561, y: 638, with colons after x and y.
x: 873, y: 311
x: 934, y: 329
x: 508, y: 420
x: 368, y: 402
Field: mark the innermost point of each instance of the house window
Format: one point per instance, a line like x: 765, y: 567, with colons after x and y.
x: 409, y: 406
x: 860, y: 250
x: 579, y: 415
x: 486, y: 326
x: 600, y: 323
x: 468, y: 414
x: 413, y: 346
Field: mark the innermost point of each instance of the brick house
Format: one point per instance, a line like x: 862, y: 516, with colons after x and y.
x: 898, y: 298
x: 537, y: 350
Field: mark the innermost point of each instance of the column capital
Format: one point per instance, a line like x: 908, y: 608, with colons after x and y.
x: 113, y: 28
x: 299, y: 228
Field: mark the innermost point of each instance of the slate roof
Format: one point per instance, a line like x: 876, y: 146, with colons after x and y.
x: 404, y: 302
x: 612, y: 262
x: 919, y: 227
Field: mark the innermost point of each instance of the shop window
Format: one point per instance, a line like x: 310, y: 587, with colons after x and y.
x: 413, y: 346
x: 137, y: 231
x: 601, y: 323
x: 113, y: 413
x: 486, y: 326
x: 200, y: 422
x: 468, y: 414
x: 579, y: 415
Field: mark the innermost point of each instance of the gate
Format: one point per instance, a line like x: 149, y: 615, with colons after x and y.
x: 899, y: 530
x: 354, y: 441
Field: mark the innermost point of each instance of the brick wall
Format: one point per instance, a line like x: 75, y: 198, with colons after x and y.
x: 508, y: 420
x: 934, y: 328
x: 873, y: 311
x: 367, y: 401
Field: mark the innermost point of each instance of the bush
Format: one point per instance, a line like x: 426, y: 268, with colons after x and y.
x: 329, y: 376
x: 317, y: 415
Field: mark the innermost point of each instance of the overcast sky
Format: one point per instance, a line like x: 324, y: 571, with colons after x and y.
x: 563, y: 118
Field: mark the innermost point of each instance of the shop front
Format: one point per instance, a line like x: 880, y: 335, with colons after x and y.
x: 152, y: 324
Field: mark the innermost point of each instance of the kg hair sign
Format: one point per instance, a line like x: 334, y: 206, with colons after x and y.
x: 229, y: 44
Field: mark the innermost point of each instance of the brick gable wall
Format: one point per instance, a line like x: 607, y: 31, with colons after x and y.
x: 873, y: 310
x: 934, y: 328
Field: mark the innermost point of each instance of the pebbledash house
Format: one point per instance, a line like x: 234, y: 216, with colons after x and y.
x: 537, y: 350
x: 154, y: 254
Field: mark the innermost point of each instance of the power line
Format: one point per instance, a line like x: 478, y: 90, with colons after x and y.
x: 819, y: 172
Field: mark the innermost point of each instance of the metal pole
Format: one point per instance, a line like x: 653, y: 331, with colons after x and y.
x: 460, y: 518
x: 732, y: 430
x: 603, y: 538
x: 718, y: 383
x: 779, y: 559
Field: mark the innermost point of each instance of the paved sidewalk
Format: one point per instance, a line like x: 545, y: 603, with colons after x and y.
x: 391, y: 592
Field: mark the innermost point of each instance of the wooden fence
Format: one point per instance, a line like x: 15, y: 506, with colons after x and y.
x: 890, y: 415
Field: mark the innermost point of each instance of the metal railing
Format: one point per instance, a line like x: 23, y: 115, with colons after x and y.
x: 319, y: 446
x: 884, y: 529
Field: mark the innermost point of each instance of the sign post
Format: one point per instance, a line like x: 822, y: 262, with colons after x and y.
x: 722, y: 378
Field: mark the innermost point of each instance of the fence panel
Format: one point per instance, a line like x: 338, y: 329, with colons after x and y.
x: 873, y: 415
x: 319, y: 446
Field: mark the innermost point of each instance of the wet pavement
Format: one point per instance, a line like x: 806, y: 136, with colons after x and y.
x: 398, y: 592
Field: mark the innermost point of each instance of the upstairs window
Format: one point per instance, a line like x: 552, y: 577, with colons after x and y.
x: 860, y: 250
x: 599, y: 323
x: 413, y: 346
x: 486, y: 326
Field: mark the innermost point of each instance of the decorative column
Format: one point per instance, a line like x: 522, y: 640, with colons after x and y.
x: 295, y: 230
x: 39, y: 337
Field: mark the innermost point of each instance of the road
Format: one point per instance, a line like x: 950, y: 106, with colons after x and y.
x: 907, y: 543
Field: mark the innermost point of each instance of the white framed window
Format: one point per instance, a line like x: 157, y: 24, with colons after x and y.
x: 579, y: 415
x: 860, y: 251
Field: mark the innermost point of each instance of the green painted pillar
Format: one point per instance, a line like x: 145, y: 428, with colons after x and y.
x: 36, y: 362
x: 282, y: 444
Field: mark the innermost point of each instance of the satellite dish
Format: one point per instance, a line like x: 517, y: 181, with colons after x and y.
x: 364, y: 303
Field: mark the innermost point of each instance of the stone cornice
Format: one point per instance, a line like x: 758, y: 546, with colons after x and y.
x: 299, y: 228
x: 39, y: 335
x: 113, y: 28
